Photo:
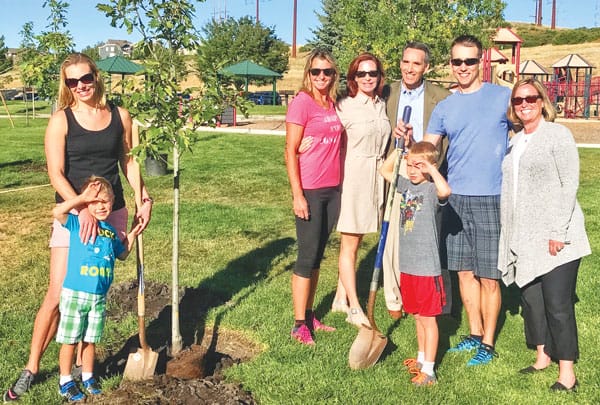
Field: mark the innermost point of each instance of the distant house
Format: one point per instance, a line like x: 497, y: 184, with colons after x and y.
x: 11, y: 53
x: 115, y: 47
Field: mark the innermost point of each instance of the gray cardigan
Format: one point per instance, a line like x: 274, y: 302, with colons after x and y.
x: 546, y: 206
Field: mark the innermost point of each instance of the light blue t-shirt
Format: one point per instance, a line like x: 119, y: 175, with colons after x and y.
x: 90, y: 267
x: 477, y: 129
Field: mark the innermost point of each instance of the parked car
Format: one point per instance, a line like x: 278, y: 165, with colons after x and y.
x: 264, y: 98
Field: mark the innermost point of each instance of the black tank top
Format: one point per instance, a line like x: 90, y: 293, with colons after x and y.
x: 96, y: 153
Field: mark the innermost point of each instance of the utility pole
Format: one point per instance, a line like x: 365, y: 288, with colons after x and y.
x: 538, y: 13
x: 294, y: 29
x: 553, y: 24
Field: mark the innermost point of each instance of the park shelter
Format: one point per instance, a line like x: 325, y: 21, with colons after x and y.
x: 250, y: 70
x: 118, y: 65
x: 530, y: 68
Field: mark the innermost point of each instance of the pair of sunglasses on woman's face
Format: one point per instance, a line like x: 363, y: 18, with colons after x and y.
x: 370, y: 73
x: 85, y: 79
x: 327, y: 72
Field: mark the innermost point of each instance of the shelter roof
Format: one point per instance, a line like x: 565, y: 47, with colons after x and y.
x: 506, y: 35
x: 497, y: 56
x: 531, y: 67
x: 249, y: 69
x: 572, y: 61
x: 119, y: 64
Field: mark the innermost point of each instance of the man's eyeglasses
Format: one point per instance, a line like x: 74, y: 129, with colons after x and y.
x: 327, y: 72
x: 85, y: 79
x: 370, y: 73
x: 529, y: 99
x: 469, y: 61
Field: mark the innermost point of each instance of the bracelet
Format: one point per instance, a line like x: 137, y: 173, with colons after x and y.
x: 147, y: 199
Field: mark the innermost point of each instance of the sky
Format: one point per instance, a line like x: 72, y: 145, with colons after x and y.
x: 88, y: 26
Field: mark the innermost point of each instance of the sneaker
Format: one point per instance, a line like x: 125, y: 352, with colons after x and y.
x: 302, y: 334
x: 467, y: 344
x: 20, y: 386
x: 484, y: 355
x: 423, y: 380
x: 71, y: 392
x: 91, y: 386
x: 315, y: 324
x: 413, y: 366
x: 357, y: 317
x: 340, y: 306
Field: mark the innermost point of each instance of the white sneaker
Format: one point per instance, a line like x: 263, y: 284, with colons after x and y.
x: 340, y: 306
x: 357, y: 317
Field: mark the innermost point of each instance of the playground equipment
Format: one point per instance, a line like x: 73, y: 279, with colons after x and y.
x: 573, y: 90
x: 497, y: 68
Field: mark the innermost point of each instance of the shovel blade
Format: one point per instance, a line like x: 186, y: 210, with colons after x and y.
x: 140, y: 365
x: 366, y: 348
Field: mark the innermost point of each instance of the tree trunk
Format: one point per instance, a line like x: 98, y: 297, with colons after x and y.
x: 176, y: 340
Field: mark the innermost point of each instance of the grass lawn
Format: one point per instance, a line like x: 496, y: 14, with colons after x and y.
x: 238, y: 240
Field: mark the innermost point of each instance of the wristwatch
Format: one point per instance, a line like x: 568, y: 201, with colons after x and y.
x: 147, y: 199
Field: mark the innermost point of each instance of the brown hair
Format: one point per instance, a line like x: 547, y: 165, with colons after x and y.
x: 353, y: 68
x: 105, y: 186
x: 468, y: 41
x: 548, y: 110
x: 425, y: 150
x: 65, y: 95
x: 324, y: 55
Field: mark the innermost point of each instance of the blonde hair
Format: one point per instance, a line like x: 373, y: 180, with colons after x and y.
x: 425, y: 150
x: 548, y: 110
x: 105, y: 186
x: 307, y: 83
x: 65, y: 95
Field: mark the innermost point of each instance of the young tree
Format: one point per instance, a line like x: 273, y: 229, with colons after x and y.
x: 172, y: 113
x: 231, y: 41
x: 43, y: 53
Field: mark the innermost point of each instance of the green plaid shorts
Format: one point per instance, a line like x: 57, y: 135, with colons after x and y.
x: 81, y: 317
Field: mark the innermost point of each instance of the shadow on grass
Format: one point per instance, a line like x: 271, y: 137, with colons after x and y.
x: 246, y: 271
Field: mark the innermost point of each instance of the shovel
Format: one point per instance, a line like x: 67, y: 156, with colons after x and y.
x: 370, y: 342
x: 141, y: 364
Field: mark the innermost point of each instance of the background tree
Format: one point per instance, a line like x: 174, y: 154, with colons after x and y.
x: 5, y: 63
x: 43, y: 54
x: 384, y: 26
x: 92, y: 50
x: 172, y: 113
x: 328, y: 35
x: 230, y: 41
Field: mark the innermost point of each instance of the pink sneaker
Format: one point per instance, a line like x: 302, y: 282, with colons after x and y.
x: 302, y: 334
x: 318, y: 325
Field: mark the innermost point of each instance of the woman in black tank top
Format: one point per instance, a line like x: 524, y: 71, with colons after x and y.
x: 84, y: 137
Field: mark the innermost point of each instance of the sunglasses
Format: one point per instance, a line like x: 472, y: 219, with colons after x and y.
x: 469, y: 61
x: 85, y: 79
x: 529, y: 99
x: 370, y: 73
x: 327, y: 72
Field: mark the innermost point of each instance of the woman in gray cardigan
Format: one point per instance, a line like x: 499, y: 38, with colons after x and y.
x: 543, y: 235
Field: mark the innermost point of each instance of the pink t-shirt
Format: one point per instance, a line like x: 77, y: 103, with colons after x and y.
x: 319, y: 165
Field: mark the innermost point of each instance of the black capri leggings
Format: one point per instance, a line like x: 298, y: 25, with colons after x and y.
x: 312, y: 234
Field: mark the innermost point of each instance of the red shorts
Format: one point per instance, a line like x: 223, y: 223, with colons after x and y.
x: 422, y: 295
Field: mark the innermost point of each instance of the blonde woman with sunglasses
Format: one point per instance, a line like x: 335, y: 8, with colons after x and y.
x: 314, y: 176
x: 85, y: 137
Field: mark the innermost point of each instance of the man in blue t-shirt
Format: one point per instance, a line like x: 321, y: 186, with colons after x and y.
x: 89, y: 275
x: 475, y: 123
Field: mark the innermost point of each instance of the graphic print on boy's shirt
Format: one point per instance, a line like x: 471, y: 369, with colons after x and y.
x: 409, y: 205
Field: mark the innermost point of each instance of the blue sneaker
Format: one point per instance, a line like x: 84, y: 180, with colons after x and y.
x: 484, y: 355
x: 71, y: 392
x: 467, y: 344
x: 91, y: 386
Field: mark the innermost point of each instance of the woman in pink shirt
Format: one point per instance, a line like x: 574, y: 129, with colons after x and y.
x: 315, y: 181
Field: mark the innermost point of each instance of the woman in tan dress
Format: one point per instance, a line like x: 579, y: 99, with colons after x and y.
x: 367, y: 130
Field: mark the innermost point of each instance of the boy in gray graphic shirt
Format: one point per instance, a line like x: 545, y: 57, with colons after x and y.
x: 421, y: 285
